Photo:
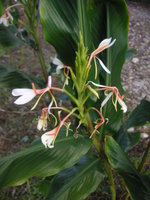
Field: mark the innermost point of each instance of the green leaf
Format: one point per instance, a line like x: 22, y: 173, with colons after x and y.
x: 78, y: 181
x: 95, y: 19
x: 127, y: 140
x: 116, y: 27
x: 44, y: 185
x: 62, y: 23
x: 11, y: 78
x: 1, y: 8
x: 137, y: 184
x: 8, y: 37
x: 37, y: 161
x: 140, y: 115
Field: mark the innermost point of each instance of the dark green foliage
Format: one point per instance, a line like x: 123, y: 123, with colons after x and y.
x: 137, y: 184
x: 38, y: 161
x: 78, y: 181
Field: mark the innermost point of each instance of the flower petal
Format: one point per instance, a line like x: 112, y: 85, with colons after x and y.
x: 106, y: 99
x: 24, y: 99
x: 47, y: 139
x: 40, y: 124
x: 66, y: 82
x: 5, y: 22
x: 105, y: 42
x: 123, y: 105
x: 49, y: 107
x: 22, y: 91
x: 56, y: 61
x: 103, y: 66
x: 96, y: 84
x: 50, y: 141
x: 58, y: 69
x: 49, y: 82
x: 112, y: 42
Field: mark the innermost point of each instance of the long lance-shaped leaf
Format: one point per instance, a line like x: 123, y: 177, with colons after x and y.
x: 8, y: 37
x: 62, y: 22
x: 116, y: 27
x: 137, y: 184
x: 37, y: 161
x: 11, y: 78
x: 78, y: 181
x: 138, y: 117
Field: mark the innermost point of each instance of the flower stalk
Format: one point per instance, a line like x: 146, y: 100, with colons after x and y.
x: 110, y: 178
x: 39, y: 51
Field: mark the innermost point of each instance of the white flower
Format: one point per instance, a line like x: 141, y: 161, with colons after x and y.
x: 106, y: 43
x: 6, y: 18
x: 25, y: 94
x: 47, y: 139
x: 42, y: 124
x: 59, y: 64
x: 115, y: 91
x: 4, y: 21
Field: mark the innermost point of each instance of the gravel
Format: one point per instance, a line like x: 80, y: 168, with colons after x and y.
x: 136, y: 71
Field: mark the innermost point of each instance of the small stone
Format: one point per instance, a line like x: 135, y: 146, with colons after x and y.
x: 25, y: 139
x: 135, y: 60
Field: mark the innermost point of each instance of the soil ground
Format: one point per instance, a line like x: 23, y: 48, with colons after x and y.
x: 136, y: 71
x: 18, y: 124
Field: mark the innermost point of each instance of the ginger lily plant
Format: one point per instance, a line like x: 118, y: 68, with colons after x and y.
x: 84, y: 89
x: 91, y: 104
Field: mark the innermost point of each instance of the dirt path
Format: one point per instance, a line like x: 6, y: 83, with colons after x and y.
x: 136, y: 71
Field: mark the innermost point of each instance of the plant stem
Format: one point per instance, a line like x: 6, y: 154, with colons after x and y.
x: 144, y: 159
x: 127, y: 196
x: 135, y: 158
x: 65, y: 109
x: 29, y: 188
x: 40, y: 53
x: 94, y: 137
x: 110, y: 178
x: 30, y: 12
x: 71, y: 97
